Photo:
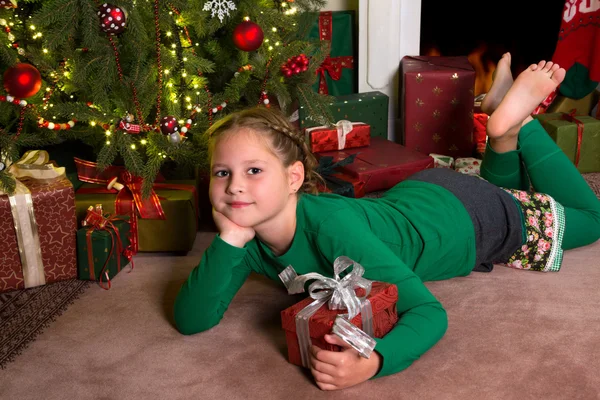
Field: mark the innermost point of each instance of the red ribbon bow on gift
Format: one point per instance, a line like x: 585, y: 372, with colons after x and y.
x: 571, y: 118
x: 98, y: 222
x: 331, y: 65
x: 130, y: 198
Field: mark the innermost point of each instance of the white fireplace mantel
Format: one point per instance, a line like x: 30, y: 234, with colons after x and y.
x: 387, y: 31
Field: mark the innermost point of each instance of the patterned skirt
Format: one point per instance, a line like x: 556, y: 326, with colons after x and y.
x: 544, y: 220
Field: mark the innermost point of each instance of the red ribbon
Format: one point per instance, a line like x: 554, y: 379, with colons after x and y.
x: 115, y: 236
x: 130, y: 198
x: 331, y: 65
x: 571, y: 118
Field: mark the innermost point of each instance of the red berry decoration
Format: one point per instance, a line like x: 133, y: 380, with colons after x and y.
x: 248, y: 36
x: 112, y: 19
x: 295, y: 65
x: 169, y: 125
x: 22, y: 80
x: 8, y: 3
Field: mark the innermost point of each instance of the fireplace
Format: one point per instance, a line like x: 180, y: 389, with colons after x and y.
x: 527, y: 29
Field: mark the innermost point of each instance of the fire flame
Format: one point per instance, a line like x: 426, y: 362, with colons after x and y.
x: 484, y: 70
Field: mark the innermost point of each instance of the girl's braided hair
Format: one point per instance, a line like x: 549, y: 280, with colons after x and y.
x: 283, y: 138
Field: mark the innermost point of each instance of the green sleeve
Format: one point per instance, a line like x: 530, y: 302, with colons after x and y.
x: 422, y: 319
x: 208, y: 291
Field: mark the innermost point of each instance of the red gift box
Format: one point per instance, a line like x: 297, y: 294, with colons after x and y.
x: 330, y: 187
x: 383, y: 164
x: 322, y: 138
x: 436, y: 105
x: 383, y: 298
x: 54, y: 211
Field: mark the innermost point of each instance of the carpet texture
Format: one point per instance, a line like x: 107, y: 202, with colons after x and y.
x: 25, y: 313
x: 512, y: 335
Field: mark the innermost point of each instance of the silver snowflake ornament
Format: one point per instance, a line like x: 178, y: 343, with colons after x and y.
x: 219, y: 7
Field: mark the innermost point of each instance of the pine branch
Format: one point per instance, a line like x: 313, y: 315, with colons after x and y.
x: 316, y: 104
x: 7, y: 182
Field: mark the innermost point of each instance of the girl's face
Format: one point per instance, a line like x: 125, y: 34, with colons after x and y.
x: 249, y: 184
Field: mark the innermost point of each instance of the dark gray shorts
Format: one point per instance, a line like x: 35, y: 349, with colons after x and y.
x: 496, y: 217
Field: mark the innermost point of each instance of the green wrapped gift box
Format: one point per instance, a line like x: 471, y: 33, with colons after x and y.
x: 176, y: 233
x: 565, y: 133
x: 337, y: 74
x: 370, y: 108
x: 95, y: 260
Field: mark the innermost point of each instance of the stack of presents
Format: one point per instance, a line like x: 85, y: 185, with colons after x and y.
x: 52, y: 231
x: 87, y: 224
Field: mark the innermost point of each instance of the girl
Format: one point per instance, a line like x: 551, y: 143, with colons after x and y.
x: 437, y: 224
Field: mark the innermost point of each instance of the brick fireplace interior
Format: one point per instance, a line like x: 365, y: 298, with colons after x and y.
x: 527, y: 28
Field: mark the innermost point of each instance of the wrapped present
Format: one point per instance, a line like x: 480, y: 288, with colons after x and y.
x: 480, y: 132
x: 337, y: 181
x: 436, y: 105
x: 337, y: 75
x: 166, y: 221
x: 343, y: 135
x: 468, y: 165
x: 577, y: 136
x: 381, y: 165
x: 442, y: 161
x: 370, y: 108
x: 581, y: 106
x: 37, y: 225
x: 103, y: 247
x: 357, y: 310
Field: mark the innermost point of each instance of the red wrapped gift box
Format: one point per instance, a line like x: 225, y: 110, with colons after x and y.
x: 54, y: 210
x: 383, y: 298
x: 383, y: 164
x: 436, y: 105
x: 322, y: 138
x: 333, y: 187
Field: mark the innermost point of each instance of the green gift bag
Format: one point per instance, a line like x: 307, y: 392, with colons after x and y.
x: 337, y: 74
x: 102, y: 252
x: 578, y: 137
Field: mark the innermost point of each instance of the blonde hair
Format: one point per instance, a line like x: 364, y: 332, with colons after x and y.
x: 284, y: 140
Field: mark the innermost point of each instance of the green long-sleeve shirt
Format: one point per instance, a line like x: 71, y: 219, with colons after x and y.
x: 417, y: 232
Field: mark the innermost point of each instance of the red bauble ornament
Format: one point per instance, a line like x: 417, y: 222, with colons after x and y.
x: 248, y: 36
x: 169, y: 125
x: 8, y: 3
x: 112, y: 19
x: 22, y: 80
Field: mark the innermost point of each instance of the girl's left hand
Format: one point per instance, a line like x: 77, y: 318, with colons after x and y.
x: 335, y: 370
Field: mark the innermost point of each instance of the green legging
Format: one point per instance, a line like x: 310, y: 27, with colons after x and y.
x: 540, y: 161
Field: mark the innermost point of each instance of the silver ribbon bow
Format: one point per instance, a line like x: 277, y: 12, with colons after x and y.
x: 340, y: 294
x: 344, y: 127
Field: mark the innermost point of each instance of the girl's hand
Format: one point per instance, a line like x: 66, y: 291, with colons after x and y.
x: 230, y: 232
x: 338, y: 370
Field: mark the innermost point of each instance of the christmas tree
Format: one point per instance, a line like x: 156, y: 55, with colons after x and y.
x: 140, y: 81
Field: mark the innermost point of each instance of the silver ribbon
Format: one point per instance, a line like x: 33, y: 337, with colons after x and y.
x: 344, y: 127
x: 28, y: 240
x: 340, y: 294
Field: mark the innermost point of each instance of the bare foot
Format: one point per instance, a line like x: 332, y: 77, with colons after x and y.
x: 529, y: 89
x: 503, y: 80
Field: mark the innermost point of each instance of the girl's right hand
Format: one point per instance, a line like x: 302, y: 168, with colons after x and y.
x: 230, y: 232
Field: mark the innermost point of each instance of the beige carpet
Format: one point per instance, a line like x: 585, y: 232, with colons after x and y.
x: 512, y: 335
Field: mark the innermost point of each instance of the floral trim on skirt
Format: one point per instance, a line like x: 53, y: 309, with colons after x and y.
x: 544, y: 220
